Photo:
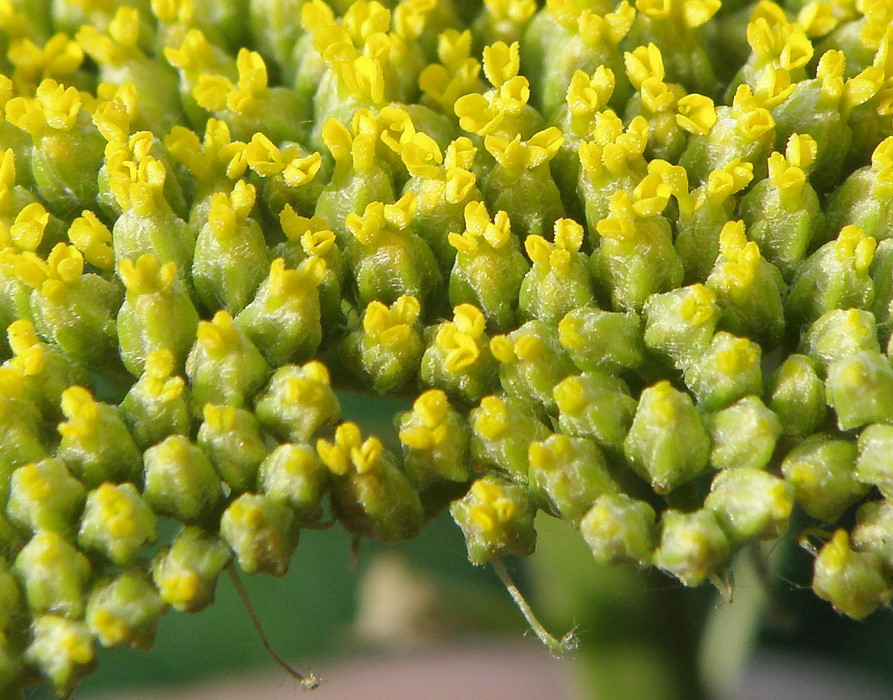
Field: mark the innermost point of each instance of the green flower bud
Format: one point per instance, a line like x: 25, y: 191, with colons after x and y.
x: 602, y: 340
x: 386, y: 258
x: 729, y: 370
x: 45, y: 496
x: 232, y: 439
x: 875, y: 462
x: 294, y: 475
x: 442, y: 191
x: 67, y: 147
x: 74, y: 310
x: 298, y: 402
x: 11, y: 668
x: 834, y: 277
x: 120, y: 60
x: 283, y: 320
x: 748, y: 289
x: 231, y: 256
x: 692, y: 546
x: 744, y: 132
x: 750, y: 504
x: 250, y: 105
x: 840, y: 333
x: 125, y: 611
x: 275, y: 26
x: 865, y: 197
x: 96, y: 444
x: 636, y: 256
x: 484, y: 247
x: 619, y: 530
x: 388, y: 348
x: 797, y: 396
x: 370, y: 495
x: 744, y: 435
x: 156, y: 406
x: 157, y: 313
x: 667, y: 443
x: 117, y: 523
x: 680, y: 324
x: 148, y: 225
x: 568, y: 475
x: 595, y: 405
x: 262, y: 533
x: 860, y: 389
x: 47, y: 370
x: 713, y: 203
x: 496, y: 517
x: 185, y: 573
x: 874, y: 521
x: 180, y: 481
x: 531, y: 363
x: 501, y: 430
x: 224, y: 366
x: 435, y: 440
x: 821, y: 470
x: 458, y: 358
x: 520, y: 182
x: 54, y: 575
x: 782, y: 212
x: 852, y: 582
x: 357, y: 180
x: 62, y: 651
x: 559, y: 280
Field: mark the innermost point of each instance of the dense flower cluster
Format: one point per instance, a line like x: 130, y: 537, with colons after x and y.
x: 633, y: 263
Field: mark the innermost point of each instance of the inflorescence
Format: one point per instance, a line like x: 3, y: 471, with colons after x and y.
x: 632, y: 263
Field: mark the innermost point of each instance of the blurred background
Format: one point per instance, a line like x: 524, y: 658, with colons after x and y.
x: 417, y: 621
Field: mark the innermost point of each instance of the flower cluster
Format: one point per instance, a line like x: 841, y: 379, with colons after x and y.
x: 633, y: 263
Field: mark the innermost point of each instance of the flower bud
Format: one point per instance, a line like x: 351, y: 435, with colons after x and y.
x: 496, y: 517
x: 860, y: 389
x: 596, y: 405
x: 797, y: 396
x: 261, y: 532
x: 180, y: 481
x: 435, y: 440
x: 125, y: 611
x: 298, y: 402
x: 680, y: 324
x: 61, y: 650
x: 531, y: 363
x: 744, y: 435
x: 851, y: 581
x: 729, y: 370
x: 568, y: 474
x: 875, y: 462
x: 224, y: 366
x: 619, y: 530
x: 232, y: 439
x: 750, y: 504
x: 601, y: 340
x: 185, y: 573
x: 45, y: 496
x: 117, y: 523
x: 692, y: 546
x: 294, y: 475
x: 501, y: 430
x: 54, y: 575
x: 667, y: 443
x: 821, y: 470
x: 96, y: 444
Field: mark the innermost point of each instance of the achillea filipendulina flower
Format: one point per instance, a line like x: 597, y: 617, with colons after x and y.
x: 606, y: 250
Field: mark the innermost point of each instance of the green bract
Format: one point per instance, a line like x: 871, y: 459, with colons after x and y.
x: 605, y: 279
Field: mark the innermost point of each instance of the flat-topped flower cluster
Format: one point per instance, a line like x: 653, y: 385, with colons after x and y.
x: 633, y: 264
